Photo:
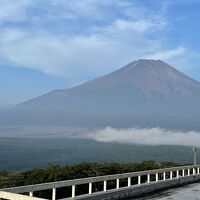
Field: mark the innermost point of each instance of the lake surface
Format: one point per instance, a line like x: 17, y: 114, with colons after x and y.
x: 19, y: 154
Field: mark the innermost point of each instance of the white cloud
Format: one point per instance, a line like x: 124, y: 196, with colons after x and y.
x: 100, y: 49
x: 24, y: 10
x: 14, y: 10
x: 138, y: 25
x: 90, y: 9
x: 167, y: 55
x: 153, y: 136
x: 54, y: 55
x: 100, y: 52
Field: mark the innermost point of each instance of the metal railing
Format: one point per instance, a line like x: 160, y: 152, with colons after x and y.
x: 142, y: 177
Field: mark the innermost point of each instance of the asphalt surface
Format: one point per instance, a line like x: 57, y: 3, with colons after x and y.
x: 188, y: 192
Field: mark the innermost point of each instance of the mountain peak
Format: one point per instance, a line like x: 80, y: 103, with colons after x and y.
x: 147, y: 60
x: 157, y: 76
x: 149, y: 66
x: 147, y: 63
x: 147, y: 75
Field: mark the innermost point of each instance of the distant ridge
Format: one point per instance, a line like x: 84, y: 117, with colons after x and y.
x: 144, y: 93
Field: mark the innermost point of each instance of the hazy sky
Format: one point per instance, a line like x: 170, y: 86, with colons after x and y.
x: 49, y: 44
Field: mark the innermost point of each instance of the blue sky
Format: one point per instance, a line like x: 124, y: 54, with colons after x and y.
x: 49, y: 44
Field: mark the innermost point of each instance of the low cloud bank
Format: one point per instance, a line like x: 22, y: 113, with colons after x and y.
x: 152, y: 136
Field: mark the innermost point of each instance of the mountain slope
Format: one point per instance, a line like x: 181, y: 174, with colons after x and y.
x: 144, y: 93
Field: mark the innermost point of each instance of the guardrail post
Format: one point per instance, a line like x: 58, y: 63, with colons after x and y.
x: 183, y: 172
x: 164, y: 176
x: 177, y: 173
x: 129, y: 181
x: 156, y: 177
x: 148, y: 178
x: 104, y: 186
x: 73, y: 191
x: 90, y: 188
x: 194, y: 171
x: 188, y: 172
x: 198, y: 170
x: 54, y: 194
x: 117, y: 183
x: 139, y: 180
x: 31, y: 194
x: 171, y: 174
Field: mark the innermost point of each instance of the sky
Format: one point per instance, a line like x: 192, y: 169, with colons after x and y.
x: 52, y: 44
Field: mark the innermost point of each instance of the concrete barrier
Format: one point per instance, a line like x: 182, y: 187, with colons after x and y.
x: 13, y: 196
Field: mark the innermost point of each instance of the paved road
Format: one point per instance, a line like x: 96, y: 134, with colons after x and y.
x: 189, y: 192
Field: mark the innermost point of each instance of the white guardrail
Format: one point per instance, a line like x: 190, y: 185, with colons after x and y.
x: 148, y: 177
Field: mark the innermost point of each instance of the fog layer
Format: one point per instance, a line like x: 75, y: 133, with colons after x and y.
x: 152, y: 136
